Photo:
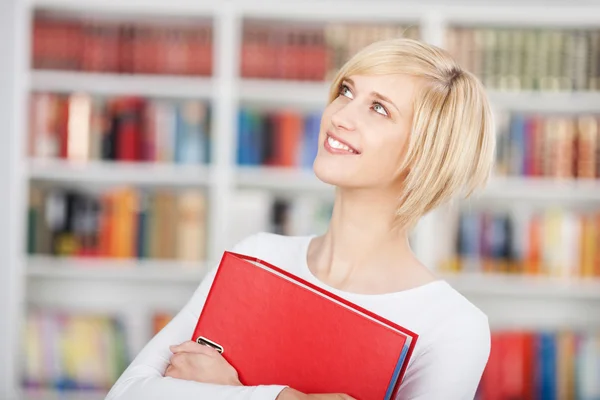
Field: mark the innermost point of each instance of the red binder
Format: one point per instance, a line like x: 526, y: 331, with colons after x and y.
x: 276, y: 328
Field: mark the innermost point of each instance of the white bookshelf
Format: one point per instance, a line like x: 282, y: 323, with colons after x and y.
x: 518, y: 286
x: 121, y: 84
x: 541, y: 189
x: 120, y: 173
x: 108, y: 285
x: 142, y: 271
x: 35, y: 394
x: 281, y: 180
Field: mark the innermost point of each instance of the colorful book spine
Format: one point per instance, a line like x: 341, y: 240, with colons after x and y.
x: 308, y: 52
x: 548, y: 145
x: 96, y: 354
x: 546, y: 364
x: 528, y: 59
x: 549, y: 242
x: 123, y: 223
x: 124, y: 47
x: 81, y: 127
x: 277, y: 138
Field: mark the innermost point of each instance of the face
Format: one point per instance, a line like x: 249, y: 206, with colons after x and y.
x: 365, y: 130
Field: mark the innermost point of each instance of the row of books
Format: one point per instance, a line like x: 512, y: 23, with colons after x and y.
x: 73, y: 351
x: 549, y: 242
x: 90, y: 44
x: 311, y: 52
x: 120, y: 223
x: 545, y: 365
x: 287, y: 214
x: 83, y: 127
x: 505, y: 58
x: 553, y: 59
x: 523, y: 364
x: 548, y: 145
x: 277, y: 138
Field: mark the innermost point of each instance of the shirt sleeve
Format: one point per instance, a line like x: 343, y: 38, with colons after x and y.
x: 452, y: 366
x: 144, y: 378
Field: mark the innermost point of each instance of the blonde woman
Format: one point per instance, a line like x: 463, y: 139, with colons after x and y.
x: 405, y: 130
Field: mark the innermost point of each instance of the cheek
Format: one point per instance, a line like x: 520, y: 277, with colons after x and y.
x: 389, y: 147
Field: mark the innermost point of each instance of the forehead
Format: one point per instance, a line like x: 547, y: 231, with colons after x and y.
x: 399, y: 88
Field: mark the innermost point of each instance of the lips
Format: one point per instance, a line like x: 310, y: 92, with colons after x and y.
x: 338, y: 145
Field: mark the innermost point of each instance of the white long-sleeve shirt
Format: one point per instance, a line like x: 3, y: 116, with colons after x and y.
x: 447, y: 362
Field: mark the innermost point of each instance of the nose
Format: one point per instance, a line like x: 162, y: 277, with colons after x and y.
x: 344, y: 117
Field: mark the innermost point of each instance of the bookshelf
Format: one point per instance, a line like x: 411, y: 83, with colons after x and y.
x: 152, y: 271
x: 82, y: 285
x: 115, y: 84
x: 62, y: 395
x: 147, y: 174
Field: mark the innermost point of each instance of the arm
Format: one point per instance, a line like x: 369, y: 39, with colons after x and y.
x: 452, y: 367
x: 144, y: 378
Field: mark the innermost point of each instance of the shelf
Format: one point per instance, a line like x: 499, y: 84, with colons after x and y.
x: 548, y: 189
x: 314, y: 94
x: 284, y: 92
x: 492, y: 13
x: 284, y: 179
x: 122, y: 84
x: 149, y: 174
x: 134, y: 271
x: 514, y: 286
x: 276, y: 92
x: 49, y: 394
x: 523, y: 188
x: 165, y: 272
x: 564, y: 102
x: 280, y: 179
x: 136, y: 8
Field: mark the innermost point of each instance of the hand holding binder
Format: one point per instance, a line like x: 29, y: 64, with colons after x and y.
x: 194, y: 362
x: 291, y: 394
x: 275, y: 328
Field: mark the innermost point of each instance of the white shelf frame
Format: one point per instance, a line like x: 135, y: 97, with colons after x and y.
x: 226, y: 90
x: 35, y: 394
x: 178, y: 87
x: 136, y: 271
x: 120, y: 173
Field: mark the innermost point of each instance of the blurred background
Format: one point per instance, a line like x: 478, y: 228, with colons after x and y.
x: 141, y: 139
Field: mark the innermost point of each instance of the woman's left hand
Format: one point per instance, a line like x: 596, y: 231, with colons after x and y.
x: 195, y: 362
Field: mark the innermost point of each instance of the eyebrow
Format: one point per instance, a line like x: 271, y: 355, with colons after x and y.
x: 377, y: 95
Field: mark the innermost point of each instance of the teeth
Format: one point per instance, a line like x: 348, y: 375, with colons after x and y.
x: 337, y: 145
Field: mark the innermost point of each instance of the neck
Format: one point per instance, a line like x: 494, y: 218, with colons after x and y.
x: 362, y: 239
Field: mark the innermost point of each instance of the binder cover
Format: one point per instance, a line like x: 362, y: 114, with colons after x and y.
x: 276, y: 328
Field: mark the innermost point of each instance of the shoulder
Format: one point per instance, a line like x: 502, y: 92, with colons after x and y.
x: 454, y: 349
x: 457, y: 321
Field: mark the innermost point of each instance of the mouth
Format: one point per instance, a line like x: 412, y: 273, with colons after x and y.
x: 336, y: 146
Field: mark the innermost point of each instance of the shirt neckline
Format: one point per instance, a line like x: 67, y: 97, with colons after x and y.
x: 418, y: 289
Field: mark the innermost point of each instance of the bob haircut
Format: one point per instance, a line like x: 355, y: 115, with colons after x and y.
x: 451, y: 148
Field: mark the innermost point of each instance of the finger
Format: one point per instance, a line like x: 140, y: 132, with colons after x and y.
x: 193, y: 347
x: 182, y: 346
x: 177, y: 359
x: 169, y: 370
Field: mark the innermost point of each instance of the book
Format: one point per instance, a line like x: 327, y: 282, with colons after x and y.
x: 276, y: 328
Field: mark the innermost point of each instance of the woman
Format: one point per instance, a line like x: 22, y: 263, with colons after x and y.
x: 405, y: 130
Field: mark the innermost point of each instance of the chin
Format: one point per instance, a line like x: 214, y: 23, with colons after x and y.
x: 335, y: 175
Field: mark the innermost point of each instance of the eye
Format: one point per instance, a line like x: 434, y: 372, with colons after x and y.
x: 378, y: 108
x: 345, y: 91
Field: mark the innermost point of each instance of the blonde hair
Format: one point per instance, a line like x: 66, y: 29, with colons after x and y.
x: 452, y: 142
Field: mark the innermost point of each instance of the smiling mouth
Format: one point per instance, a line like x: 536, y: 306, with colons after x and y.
x: 338, y: 146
